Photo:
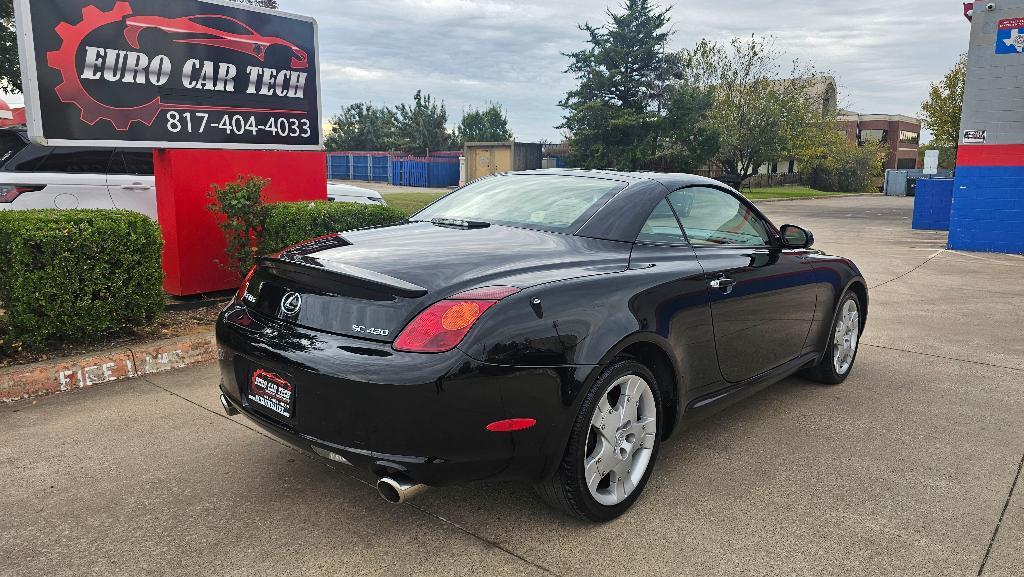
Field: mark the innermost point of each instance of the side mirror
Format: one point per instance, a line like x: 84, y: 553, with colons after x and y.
x: 796, y: 237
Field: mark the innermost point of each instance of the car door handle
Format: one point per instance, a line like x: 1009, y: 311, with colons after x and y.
x: 135, y: 186
x: 723, y: 284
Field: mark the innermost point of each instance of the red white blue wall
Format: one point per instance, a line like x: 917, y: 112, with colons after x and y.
x: 988, y: 199
x: 988, y: 193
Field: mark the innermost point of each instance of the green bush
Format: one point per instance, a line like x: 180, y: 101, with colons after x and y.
x: 69, y: 276
x: 836, y: 164
x: 289, y: 223
x: 240, y: 204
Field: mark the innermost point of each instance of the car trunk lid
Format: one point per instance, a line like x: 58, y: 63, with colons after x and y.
x: 370, y: 283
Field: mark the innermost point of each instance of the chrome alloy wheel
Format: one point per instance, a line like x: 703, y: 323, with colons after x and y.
x: 844, y: 344
x: 623, y: 429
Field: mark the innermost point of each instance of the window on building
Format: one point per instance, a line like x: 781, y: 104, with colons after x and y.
x: 792, y: 167
x: 909, y: 138
x: 774, y: 169
x: 906, y: 163
x: 873, y: 136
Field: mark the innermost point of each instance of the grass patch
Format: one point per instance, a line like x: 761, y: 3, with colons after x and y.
x: 411, y: 202
x: 785, y: 192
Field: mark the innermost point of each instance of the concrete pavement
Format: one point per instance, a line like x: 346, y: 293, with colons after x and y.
x: 906, y: 469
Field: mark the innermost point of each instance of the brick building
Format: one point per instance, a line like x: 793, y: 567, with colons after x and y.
x: 902, y: 134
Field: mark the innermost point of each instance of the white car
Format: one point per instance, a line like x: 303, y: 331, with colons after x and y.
x: 34, y: 176
x: 348, y: 193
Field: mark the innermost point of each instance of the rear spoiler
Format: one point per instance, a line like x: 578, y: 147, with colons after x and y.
x: 326, y: 275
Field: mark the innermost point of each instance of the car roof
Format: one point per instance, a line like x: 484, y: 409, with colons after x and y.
x: 670, y: 180
x: 621, y: 218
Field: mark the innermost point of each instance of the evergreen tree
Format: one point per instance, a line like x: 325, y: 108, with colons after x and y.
x: 423, y: 127
x: 630, y: 110
x: 363, y: 126
x: 488, y: 125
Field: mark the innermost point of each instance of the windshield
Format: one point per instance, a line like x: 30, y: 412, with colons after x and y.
x: 549, y: 202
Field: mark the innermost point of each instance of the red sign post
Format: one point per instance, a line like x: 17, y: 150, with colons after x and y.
x: 193, y: 243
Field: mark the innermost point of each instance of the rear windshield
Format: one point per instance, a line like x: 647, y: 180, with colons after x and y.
x: 547, y: 202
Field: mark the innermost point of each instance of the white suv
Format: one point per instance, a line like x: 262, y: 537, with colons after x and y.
x: 34, y: 176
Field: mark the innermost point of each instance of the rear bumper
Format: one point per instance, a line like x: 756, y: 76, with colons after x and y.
x: 424, y: 416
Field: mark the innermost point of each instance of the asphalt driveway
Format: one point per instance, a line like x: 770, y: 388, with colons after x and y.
x: 906, y: 469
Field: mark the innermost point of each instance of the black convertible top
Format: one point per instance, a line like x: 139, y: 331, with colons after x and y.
x: 625, y: 214
x: 671, y: 181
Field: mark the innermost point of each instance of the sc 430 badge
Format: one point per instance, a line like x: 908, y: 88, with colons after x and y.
x: 371, y: 331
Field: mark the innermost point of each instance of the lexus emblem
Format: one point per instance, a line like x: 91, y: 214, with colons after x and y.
x: 291, y: 303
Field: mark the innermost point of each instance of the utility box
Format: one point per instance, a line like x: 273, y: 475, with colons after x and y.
x: 487, y: 158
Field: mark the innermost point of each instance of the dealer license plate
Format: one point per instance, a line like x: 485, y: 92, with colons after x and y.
x: 273, y: 393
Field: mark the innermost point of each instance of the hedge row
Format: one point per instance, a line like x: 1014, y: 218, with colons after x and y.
x: 70, y: 276
x: 73, y: 275
x: 289, y: 223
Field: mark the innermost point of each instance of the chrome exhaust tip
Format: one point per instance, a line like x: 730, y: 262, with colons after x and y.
x: 229, y: 409
x: 398, y: 489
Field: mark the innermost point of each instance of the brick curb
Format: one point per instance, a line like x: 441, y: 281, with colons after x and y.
x: 58, y: 375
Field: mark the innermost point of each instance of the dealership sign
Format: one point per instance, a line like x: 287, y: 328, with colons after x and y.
x: 169, y: 73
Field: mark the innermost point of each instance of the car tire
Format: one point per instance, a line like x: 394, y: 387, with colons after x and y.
x: 605, y: 429
x: 843, y: 344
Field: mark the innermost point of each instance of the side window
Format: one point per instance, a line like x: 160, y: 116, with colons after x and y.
x: 132, y: 161
x: 715, y: 217
x: 662, y: 226
x: 77, y: 160
x: 28, y: 160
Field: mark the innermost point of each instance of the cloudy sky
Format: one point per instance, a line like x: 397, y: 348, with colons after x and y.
x: 470, y: 52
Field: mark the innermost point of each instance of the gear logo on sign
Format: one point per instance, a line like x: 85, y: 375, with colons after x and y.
x: 71, y: 90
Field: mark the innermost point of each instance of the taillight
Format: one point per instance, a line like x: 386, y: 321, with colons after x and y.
x: 443, y: 325
x: 10, y: 192
x: 245, y: 286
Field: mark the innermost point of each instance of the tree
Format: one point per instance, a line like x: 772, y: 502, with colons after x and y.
x: 944, y: 107
x: 423, y: 127
x: 614, y: 115
x: 837, y: 164
x: 363, y: 126
x: 488, y: 125
x: 687, y: 143
x: 10, y: 69
x: 759, y: 113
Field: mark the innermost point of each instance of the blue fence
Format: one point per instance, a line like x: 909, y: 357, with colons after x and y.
x: 424, y: 172
x: 365, y: 167
x: 432, y: 172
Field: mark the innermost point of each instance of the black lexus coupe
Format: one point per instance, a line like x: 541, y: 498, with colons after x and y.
x: 547, y: 326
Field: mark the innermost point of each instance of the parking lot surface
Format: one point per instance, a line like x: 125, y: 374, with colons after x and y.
x: 906, y: 469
